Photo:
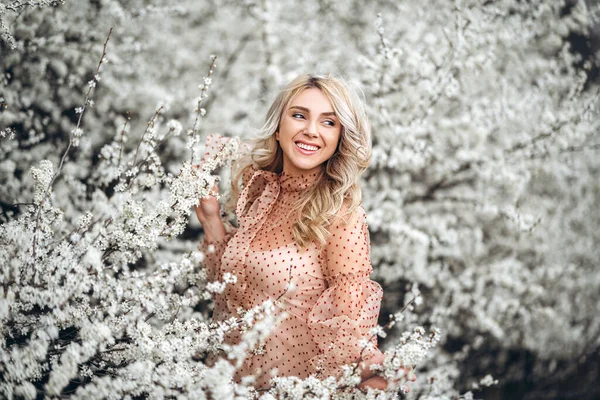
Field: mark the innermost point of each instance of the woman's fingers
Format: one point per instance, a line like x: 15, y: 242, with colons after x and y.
x: 214, y: 189
x: 402, y: 382
x: 376, y: 382
x: 411, y: 376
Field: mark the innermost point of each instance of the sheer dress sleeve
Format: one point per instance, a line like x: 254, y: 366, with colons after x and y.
x: 341, y: 319
x: 213, y: 252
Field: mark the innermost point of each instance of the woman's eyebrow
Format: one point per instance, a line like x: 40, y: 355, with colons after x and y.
x: 306, y: 110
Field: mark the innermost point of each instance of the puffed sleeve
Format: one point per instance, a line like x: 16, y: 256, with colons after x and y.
x: 348, y: 309
x: 213, y: 252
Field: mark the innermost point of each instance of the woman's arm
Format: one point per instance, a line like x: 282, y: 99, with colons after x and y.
x: 214, y: 230
x: 208, y: 210
x: 344, y: 315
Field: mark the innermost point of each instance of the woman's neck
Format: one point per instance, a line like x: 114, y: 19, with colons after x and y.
x: 298, y: 181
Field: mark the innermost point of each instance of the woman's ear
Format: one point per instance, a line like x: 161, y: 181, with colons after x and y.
x: 277, y: 135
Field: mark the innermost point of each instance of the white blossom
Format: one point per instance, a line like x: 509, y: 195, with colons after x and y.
x: 175, y: 126
x: 42, y: 177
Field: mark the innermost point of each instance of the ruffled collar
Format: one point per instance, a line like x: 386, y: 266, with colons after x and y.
x: 269, y: 185
x: 297, y: 183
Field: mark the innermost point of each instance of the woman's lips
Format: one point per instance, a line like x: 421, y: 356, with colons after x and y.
x: 304, y: 151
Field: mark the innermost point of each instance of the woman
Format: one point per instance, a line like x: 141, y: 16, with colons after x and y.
x: 301, y: 221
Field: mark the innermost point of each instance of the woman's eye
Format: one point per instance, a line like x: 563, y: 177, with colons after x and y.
x: 330, y: 122
x: 297, y: 115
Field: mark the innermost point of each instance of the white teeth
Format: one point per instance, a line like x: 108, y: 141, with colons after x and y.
x: 307, y: 147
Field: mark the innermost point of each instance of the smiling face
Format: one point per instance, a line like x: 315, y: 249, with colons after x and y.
x: 308, y: 133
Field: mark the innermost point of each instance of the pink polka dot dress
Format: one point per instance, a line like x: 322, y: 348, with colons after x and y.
x: 333, y: 304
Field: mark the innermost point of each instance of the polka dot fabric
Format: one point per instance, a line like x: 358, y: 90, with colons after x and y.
x: 333, y: 305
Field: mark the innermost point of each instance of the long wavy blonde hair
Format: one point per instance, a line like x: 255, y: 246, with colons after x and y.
x: 337, y: 184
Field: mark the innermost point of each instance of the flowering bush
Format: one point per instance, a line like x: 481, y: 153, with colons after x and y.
x: 481, y: 194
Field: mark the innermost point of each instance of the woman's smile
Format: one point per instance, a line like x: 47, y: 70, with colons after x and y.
x: 306, y: 149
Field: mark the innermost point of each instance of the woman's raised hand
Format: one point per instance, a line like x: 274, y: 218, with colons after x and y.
x: 208, y: 209
x: 209, y: 215
x: 379, y: 382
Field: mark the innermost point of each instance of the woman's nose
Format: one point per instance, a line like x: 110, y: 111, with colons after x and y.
x: 312, y: 127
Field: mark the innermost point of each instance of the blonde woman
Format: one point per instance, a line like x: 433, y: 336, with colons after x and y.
x: 300, y: 220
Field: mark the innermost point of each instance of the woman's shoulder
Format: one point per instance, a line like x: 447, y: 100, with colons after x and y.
x: 348, y: 216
